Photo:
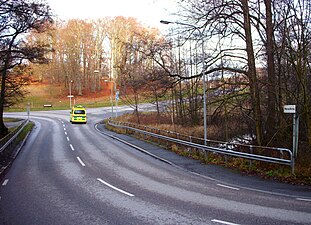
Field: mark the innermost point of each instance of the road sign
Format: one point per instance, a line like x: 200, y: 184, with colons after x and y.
x: 289, y: 108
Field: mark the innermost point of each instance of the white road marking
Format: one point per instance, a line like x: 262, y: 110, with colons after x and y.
x: 225, y: 186
x: 80, y: 161
x: 224, y: 222
x: 64, y: 128
x: 115, y: 188
x: 304, y: 199
x: 68, y: 139
x: 64, y: 125
x: 5, y: 182
x: 65, y: 133
x: 72, y: 148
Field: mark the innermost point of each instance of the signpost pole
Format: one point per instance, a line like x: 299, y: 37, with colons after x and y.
x: 28, y: 110
x: 117, y: 98
x: 294, y: 135
x: 291, y: 109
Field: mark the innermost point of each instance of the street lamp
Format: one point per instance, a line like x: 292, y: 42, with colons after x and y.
x: 203, y: 69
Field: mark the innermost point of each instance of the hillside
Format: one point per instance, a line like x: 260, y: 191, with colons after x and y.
x: 39, y: 95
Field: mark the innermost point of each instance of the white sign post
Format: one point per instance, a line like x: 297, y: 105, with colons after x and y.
x: 70, y: 96
x: 28, y: 110
x: 117, y: 99
x: 291, y: 109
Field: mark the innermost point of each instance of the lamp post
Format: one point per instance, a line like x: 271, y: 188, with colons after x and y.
x: 113, y: 90
x: 70, y: 96
x: 203, y: 69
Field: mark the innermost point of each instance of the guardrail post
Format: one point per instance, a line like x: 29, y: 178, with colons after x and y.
x: 205, y: 155
x: 226, y: 157
x: 250, y: 161
x: 293, y: 164
x: 158, y: 132
x: 167, y: 140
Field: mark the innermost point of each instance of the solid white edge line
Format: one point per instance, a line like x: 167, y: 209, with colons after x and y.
x: 80, y: 161
x: 115, y: 188
x: 224, y: 222
x: 5, y: 182
x: 225, y: 186
x: 304, y: 199
x: 72, y: 148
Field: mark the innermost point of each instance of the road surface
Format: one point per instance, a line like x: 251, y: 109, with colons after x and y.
x: 72, y: 174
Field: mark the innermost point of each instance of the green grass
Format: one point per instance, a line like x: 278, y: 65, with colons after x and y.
x: 11, y: 120
x: 39, y: 95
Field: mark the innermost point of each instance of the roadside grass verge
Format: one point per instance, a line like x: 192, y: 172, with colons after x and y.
x: 7, y: 156
x: 11, y: 119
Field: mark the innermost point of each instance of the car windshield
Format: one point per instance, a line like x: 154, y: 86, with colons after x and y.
x: 79, y: 111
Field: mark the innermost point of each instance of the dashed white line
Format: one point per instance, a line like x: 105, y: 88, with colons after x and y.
x: 115, y: 188
x: 223, y: 222
x: 65, y: 133
x: 64, y: 128
x: 5, y: 182
x: 80, y: 161
x: 304, y: 199
x: 68, y: 139
x: 225, y: 186
x: 64, y: 125
x: 72, y: 148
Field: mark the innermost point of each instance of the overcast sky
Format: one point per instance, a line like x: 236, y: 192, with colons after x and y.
x: 148, y: 12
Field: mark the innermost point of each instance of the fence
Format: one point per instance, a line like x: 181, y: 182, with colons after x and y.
x: 9, y: 140
x: 267, y: 154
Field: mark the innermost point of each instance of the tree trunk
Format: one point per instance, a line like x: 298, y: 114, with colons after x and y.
x: 272, y: 103
x: 254, y: 87
x: 136, y: 106
x: 3, y: 129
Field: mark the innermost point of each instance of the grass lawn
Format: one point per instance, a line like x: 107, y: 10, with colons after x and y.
x: 55, y: 95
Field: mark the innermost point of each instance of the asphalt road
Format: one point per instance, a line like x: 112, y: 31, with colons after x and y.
x: 72, y: 174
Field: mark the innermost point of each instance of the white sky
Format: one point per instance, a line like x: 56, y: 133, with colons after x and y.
x: 148, y: 12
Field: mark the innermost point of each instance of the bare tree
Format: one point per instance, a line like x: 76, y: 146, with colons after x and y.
x: 17, y: 19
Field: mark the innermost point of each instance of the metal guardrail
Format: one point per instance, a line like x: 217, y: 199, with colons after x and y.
x: 10, y: 138
x: 267, y: 154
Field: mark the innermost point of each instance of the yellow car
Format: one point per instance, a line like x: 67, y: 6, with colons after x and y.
x: 78, y: 114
